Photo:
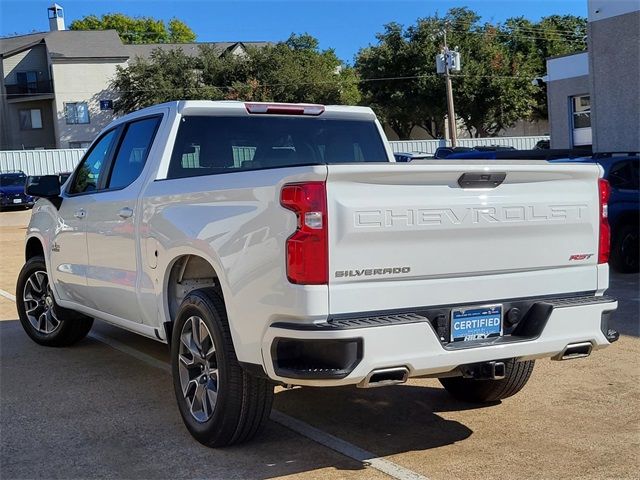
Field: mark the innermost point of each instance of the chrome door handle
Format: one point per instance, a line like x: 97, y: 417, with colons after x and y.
x: 126, y: 212
x: 81, y: 213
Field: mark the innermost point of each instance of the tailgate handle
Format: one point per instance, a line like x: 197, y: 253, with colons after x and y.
x: 481, y: 179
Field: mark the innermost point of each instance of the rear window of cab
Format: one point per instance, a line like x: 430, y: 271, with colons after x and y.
x: 210, y: 145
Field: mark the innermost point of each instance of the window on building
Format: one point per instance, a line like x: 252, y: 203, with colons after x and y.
x: 77, y: 112
x: 133, y: 152
x: 79, y: 144
x: 31, y: 119
x: 28, y: 80
x: 581, y: 110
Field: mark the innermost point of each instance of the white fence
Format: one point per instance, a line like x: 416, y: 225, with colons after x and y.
x: 48, y: 162
x: 430, y: 146
x: 40, y: 162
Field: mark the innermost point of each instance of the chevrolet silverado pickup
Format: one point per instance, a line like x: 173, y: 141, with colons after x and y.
x: 281, y: 244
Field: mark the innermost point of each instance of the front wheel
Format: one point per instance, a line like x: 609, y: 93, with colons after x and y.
x: 41, y: 317
x: 481, y: 391
x: 220, y: 403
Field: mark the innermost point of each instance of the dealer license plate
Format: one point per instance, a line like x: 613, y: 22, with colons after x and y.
x: 17, y: 200
x: 475, y: 323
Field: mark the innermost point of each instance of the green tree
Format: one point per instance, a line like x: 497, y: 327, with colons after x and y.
x: 298, y: 71
x: 537, y: 41
x: 166, y: 76
x: 138, y: 29
x: 495, y: 87
x: 291, y: 71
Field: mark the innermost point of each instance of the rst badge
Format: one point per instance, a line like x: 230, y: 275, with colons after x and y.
x: 580, y: 256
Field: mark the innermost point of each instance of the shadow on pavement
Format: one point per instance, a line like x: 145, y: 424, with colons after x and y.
x: 386, y: 420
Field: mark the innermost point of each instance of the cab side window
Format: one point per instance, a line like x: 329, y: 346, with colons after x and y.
x: 133, y: 151
x: 92, y: 168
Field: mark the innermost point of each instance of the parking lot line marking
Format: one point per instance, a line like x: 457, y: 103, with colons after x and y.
x: 7, y: 295
x: 345, y: 448
x: 312, y: 433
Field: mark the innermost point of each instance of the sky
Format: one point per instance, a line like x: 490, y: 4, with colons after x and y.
x: 344, y: 25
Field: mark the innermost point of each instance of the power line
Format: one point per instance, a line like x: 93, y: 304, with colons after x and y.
x: 268, y: 85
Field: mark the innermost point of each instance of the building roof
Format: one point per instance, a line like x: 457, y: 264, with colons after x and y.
x: 10, y: 45
x: 144, y: 51
x: 76, y: 44
x: 83, y: 44
x: 69, y: 44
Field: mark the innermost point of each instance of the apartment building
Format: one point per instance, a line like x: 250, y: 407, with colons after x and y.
x: 55, y: 90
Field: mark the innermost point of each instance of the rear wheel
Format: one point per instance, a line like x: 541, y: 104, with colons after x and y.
x: 220, y: 403
x: 41, y: 317
x: 625, y: 249
x: 480, y: 391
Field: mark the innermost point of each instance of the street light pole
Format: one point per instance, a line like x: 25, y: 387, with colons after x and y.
x: 451, y: 111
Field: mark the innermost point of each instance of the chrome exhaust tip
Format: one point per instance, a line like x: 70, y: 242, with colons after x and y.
x: 384, y: 377
x: 575, y: 350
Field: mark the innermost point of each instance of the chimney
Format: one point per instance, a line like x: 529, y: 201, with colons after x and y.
x: 56, y: 18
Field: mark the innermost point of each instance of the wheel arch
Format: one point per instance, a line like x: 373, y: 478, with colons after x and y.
x: 33, y: 248
x: 187, y: 271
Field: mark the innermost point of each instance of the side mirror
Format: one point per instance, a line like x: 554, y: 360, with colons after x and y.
x: 46, y: 186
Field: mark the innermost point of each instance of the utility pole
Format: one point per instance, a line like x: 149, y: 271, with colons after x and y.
x: 451, y: 111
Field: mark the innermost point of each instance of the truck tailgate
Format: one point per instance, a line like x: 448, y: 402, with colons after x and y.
x: 411, y: 233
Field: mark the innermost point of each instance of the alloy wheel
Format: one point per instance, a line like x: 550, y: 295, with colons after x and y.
x: 198, y: 368
x: 39, y: 304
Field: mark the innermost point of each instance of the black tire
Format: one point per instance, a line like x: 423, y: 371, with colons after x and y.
x: 481, y: 391
x: 625, y: 248
x: 243, y: 401
x: 71, y: 327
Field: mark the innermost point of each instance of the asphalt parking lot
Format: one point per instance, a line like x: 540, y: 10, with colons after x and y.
x: 105, y: 409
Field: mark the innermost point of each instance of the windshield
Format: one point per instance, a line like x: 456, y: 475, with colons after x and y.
x: 13, y: 180
x: 208, y: 145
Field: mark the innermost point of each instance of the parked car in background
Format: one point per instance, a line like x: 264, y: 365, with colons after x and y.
x: 12, y: 190
x: 404, y: 157
x: 447, y: 152
x: 513, y: 154
x: 444, y: 152
x: 624, y: 210
x: 543, y: 145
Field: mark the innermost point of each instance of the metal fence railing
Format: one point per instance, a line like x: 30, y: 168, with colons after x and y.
x: 430, y: 146
x: 40, y: 162
x: 49, y: 162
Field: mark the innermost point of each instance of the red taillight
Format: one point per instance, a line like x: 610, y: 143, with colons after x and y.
x: 284, y: 108
x: 604, y: 244
x: 307, y: 256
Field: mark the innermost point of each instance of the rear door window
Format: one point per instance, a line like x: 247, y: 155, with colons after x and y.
x: 211, y: 145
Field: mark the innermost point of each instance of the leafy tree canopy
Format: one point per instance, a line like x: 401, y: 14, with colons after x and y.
x: 138, y: 29
x: 292, y: 71
x: 495, y: 87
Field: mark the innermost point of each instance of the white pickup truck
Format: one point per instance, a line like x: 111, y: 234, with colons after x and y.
x: 281, y: 244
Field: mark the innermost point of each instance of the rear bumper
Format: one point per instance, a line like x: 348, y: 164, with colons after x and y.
x: 347, y: 352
